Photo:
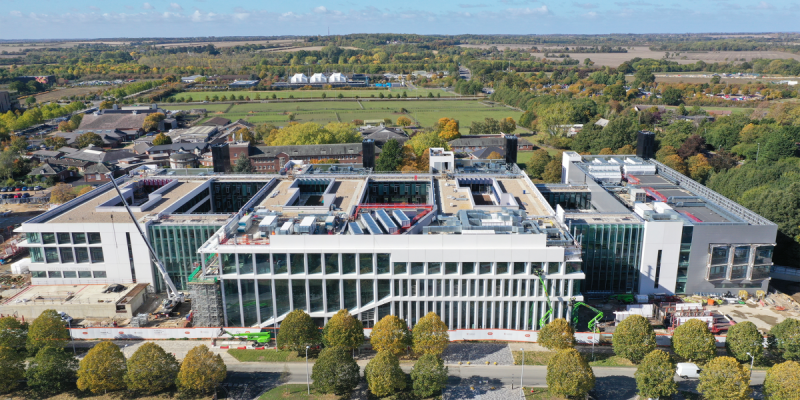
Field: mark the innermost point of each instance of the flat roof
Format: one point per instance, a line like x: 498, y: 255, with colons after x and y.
x: 531, y: 203
x: 705, y: 214
x: 73, y: 294
x: 597, y: 218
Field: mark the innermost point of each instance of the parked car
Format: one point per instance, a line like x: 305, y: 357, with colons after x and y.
x: 38, y: 188
x: 25, y: 189
x: 18, y: 189
x: 687, y: 370
x: 3, y: 189
x: 64, y: 317
x: 26, y: 195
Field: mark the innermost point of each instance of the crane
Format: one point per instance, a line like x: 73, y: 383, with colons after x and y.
x: 174, y: 297
x: 593, y: 322
x: 543, y: 320
x: 258, y: 337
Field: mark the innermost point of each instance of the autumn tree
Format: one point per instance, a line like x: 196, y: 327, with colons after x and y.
x: 783, y: 381
x: 106, y: 104
x: 13, y: 334
x: 161, y: 139
x: 55, y: 142
x: 552, y: 172
x: 625, y: 150
x: 89, y: 139
x: 693, y: 145
x: 508, y: 125
x: 391, y: 335
x: 724, y: 378
x: 569, y: 375
x: 557, y: 335
x: 429, y: 335
x: 693, y: 341
x: 201, y: 372
x: 675, y: 162
x: 151, y: 370
x: 538, y: 162
x: 404, y: 121
x: 448, y: 129
x: 634, y: 338
x: 335, y: 371
x: 151, y: 121
x: 47, y: 330
x: 606, y: 151
x: 103, y: 369
x: 298, y: 331
x: 743, y: 339
x: 52, y: 371
x: 244, y: 135
x: 494, y: 156
x: 12, y: 369
x: 421, y: 142
x: 655, y: 376
x: 60, y: 194
x: 699, y: 168
x: 383, y: 374
x: 787, y: 338
x: 243, y: 165
x: 343, y: 331
x: 428, y: 376
x: 664, y: 152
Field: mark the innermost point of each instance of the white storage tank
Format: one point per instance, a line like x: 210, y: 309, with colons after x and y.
x: 286, y: 229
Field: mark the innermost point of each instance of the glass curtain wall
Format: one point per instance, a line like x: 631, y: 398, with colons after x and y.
x: 611, y: 254
x: 176, y: 247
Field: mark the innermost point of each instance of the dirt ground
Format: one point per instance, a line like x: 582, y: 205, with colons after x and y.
x: 764, y: 317
x: 73, y: 91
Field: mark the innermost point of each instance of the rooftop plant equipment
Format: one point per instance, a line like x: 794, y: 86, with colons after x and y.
x: 542, y: 321
x: 258, y: 337
x: 593, y: 322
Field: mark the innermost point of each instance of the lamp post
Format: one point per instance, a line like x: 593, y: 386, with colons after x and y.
x: 308, y: 381
x: 752, y: 360
x: 70, y: 338
x: 523, y: 370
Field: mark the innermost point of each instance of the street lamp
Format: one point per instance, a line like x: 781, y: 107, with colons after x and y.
x: 70, y: 338
x: 523, y: 370
x: 752, y: 360
x: 308, y: 381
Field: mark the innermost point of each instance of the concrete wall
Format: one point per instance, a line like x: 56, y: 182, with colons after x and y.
x: 664, y: 236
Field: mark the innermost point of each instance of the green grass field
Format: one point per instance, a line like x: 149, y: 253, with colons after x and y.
x: 601, y: 359
x: 295, y: 391
x: 315, y: 94
x: 269, y: 355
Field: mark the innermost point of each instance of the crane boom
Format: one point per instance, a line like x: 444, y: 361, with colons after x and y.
x: 172, y: 291
x: 543, y: 320
x: 593, y: 322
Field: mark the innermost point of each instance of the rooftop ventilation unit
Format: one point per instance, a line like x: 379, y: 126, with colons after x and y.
x: 386, y: 221
x: 371, y: 225
x: 354, y: 229
x: 402, y: 218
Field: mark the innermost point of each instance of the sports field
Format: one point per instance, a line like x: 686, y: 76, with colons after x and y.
x: 425, y: 112
x: 314, y: 94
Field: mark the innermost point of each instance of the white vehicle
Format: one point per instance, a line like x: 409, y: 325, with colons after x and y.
x: 688, y: 370
x: 64, y: 317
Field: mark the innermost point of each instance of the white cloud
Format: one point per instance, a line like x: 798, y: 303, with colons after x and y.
x: 321, y: 10
x: 590, y: 14
x: 15, y: 14
x: 175, y: 6
x: 93, y: 8
x: 543, y: 10
x: 764, y: 6
x: 147, y: 6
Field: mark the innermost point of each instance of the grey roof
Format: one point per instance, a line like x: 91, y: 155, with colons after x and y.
x: 313, y: 150
x: 47, y: 153
x: 239, y: 122
x: 217, y: 121
x: 477, y: 142
x: 180, y: 146
x: 142, y: 147
x: 67, y: 150
x: 182, y: 156
x: 46, y: 169
x: 383, y: 135
x: 97, y: 155
x: 486, y: 151
x: 93, y: 122
x: 67, y: 162
x: 96, y: 169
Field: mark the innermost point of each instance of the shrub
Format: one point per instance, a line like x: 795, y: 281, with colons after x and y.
x: 103, y: 369
x: 384, y: 375
x: 335, y: 371
x: 428, y: 376
x: 569, y: 375
x: 390, y: 334
x: 723, y: 378
x: 634, y: 338
x: 298, y: 331
x: 557, y: 335
x: 201, y: 372
x: 151, y: 369
x: 429, y: 335
x: 655, y: 377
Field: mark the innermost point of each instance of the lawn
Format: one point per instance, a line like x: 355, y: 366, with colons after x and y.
x: 207, y: 106
x: 312, y: 94
x: 295, y: 391
x: 539, y: 394
x: 601, y: 359
x: 269, y: 355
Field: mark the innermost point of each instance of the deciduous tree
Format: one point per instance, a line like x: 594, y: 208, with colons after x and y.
x: 13, y: 334
x: 390, y: 334
x: 557, y: 335
x: 335, y: 371
x: 536, y: 165
x: 390, y: 157
x: 744, y: 338
x: 783, y: 381
x: 693, y: 341
x: 429, y: 335
x: 52, y: 371
x: 634, y: 338
x: 384, y: 375
x: 655, y: 376
x: 103, y: 369
x: 693, y: 145
x: 60, y: 194
x: 89, y: 139
x: 552, y: 172
x: 161, y: 139
x: 298, y: 331
x: 508, y: 125
x: 787, y: 338
x: 151, y: 121
x: 201, y: 372
x: 675, y: 162
x: 12, y: 369
x: 428, y: 376
x: 47, y: 330
x: 244, y: 135
x: 343, y: 331
x: 569, y: 375
x: 151, y: 369
x: 404, y: 121
x: 699, y: 168
x: 243, y: 164
x: 723, y: 378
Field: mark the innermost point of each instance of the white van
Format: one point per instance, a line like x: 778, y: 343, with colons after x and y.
x: 688, y: 370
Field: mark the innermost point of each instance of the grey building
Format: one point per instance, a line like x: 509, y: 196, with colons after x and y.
x: 5, y: 101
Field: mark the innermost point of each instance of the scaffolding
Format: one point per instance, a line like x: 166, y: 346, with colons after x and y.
x: 206, y: 299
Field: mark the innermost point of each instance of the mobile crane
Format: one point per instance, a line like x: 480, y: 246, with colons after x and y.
x: 257, y: 337
x: 174, y: 297
x: 543, y: 320
x: 593, y: 322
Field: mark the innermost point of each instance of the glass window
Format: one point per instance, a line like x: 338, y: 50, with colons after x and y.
x: 365, y: 263
x: 51, y: 254
x: 553, y: 267
x: 97, y: 254
x: 764, y: 255
x: 350, y: 293
x: 99, y: 274
x: 502, y: 268
x: 450, y: 268
x: 249, y: 303
x: 468, y: 268
x: 719, y: 255
x: 480, y: 287
x: 232, y: 302
x: 78, y: 238
x: 434, y: 268
x: 299, y: 294
x: 34, y: 237
x: 54, y: 274
x: 400, y: 268
x: 262, y: 265
x: 228, y: 263
x: 417, y: 268
x: 48, y: 238
x: 282, y: 296
x: 314, y: 264
x: 297, y: 263
x: 265, y: 298
x: 367, y: 292
x: 348, y: 263
x: 246, y: 267
x: 63, y: 238
x: 384, y: 265
x: 66, y: 255
x: 331, y: 263
x: 717, y: 272
x: 70, y: 274
x: 519, y: 268
x: 84, y: 274
x: 438, y: 287
x: 739, y: 272
x: 81, y: 255
x: 485, y: 268
x: 573, y: 267
x: 94, y: 238
x: 506, y: 287
x: 279, y: 264
x: 36, y: 254
x: 760, y: 272
x: 384, y: 288
x: 38, y: 274
x: 315, y: 295
x: 741, y: 255
x: 332, y: 293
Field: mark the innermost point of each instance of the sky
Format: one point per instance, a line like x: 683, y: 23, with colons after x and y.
x: 75, y: 19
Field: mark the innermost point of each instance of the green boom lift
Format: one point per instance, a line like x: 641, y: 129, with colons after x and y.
x: 593, y: 322
x: 543, y: 320
x: 258, y: 337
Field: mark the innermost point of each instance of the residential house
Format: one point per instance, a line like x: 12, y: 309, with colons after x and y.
x: 237, y: 149
x: 111, y: 138
x: 57, y: 172
x: 41, y: 155
x: 270, y: 159
x: 602, y: 122
x: 116, y: 109
x: 243, y: 84
x: 97, y: 155
x: 167, y: 124
x: 96, y: 174
x: 381, y: 134
x: 643, y: 107
x: 79, y: 165
x: 190, y: 79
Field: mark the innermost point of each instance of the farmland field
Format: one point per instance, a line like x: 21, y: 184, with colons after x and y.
x: 315, y: 94
x: 73, y: 91
x: 426, y: 112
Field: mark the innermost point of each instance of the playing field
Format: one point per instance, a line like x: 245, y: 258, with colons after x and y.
x: 425, y: 112
x: 314, y: 94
